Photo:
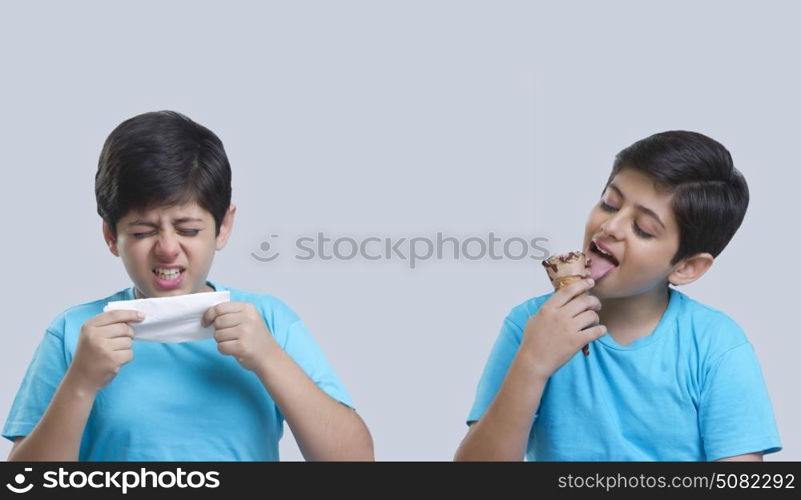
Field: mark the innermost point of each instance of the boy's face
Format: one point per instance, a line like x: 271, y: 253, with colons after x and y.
x: 168, y: 251
x: 635, y: 223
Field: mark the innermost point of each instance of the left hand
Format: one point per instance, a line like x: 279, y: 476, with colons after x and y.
x: 241, y: 332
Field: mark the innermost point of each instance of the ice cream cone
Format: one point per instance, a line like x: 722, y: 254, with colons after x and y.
x: 559, y: 283
x: 564, y: 269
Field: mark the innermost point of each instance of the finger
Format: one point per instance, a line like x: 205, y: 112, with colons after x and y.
x: 118, y: 316
x: 120, y: 343
x: 229, y: 347
x: 226, y: 334
x: 594, y: 332
x: 586, y: 319
x: 228, y: 320
x: 116, y: 330
x: 564, y: 295
x: 208, y: 316
x: 122, y: 357
x: 582, y: 303
x: 221, y: 308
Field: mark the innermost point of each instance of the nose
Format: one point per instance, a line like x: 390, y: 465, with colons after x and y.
x: 167, y: 246
x: 614, y: 224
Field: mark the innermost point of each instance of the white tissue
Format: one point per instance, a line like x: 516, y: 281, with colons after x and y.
x: 172, y: 319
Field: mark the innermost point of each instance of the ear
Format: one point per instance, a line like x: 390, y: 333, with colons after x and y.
x: 225, y: 227
x: 690, y: 269
x: 111, y: 241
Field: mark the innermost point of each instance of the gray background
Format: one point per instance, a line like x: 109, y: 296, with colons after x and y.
x: 398, y: 119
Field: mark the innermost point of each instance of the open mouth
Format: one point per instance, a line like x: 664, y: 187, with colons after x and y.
x: 601, y: 261
x: 166, y: 277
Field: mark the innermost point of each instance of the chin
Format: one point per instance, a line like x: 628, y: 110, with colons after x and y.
x: 601, y: 291
x: 154, y: 291
x: 612, y: 290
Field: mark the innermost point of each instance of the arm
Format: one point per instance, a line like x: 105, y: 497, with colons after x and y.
x: 57, y: 436
x: 103, y: 347
x: 748, y: 457
x: 551, y: 337
x: 324, y: 428
x: 502, y: 433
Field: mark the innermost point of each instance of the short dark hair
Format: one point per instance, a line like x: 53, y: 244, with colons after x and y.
x: 158, y: 159
x: 710, y: 196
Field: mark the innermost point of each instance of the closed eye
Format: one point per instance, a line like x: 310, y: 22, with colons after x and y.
x: 607, y: 207
x: 637, y: 229
x: 184, y: 232
x: 641, y: 233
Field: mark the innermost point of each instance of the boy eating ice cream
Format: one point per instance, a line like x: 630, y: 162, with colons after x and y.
x: 668, y: 378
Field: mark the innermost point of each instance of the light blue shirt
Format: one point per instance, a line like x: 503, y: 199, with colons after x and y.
x: 692, y: 390
x: 183, y: 402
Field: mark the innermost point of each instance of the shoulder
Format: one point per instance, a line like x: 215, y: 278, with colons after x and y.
x: 713, y: 331
x: 73, y: 318
x: 264, y: 301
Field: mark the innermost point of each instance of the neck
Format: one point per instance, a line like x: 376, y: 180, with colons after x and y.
x: 630, y: 318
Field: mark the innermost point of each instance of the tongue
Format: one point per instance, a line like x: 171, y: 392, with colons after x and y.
x: 599, y: 266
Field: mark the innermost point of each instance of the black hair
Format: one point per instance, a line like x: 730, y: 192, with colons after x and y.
x: 710, y: 196
x: 158, y: 159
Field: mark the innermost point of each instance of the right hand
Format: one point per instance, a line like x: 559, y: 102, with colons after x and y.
x: 103, y: 347
x: 561, y: 327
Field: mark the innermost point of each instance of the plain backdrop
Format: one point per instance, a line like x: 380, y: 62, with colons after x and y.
x: 392, y: 120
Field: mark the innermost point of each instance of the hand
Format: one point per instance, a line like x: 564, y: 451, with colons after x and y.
x: 562, y: 326
x: 103, y: 347
x: 240, y: 331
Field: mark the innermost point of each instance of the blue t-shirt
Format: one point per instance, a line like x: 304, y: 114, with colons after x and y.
x: 182, y: 401
x: 692, y: 390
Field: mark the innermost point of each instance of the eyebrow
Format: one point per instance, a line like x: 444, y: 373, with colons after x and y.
x: 142, y: 222
x: 645, y: 210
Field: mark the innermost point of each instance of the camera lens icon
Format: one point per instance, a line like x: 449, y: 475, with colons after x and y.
x: 20, y: 479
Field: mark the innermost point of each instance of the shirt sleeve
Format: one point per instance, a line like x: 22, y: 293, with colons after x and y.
x: 41, y: 380
x: 303, y: 349
x: 735, y: 413
x: 500, y: 359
